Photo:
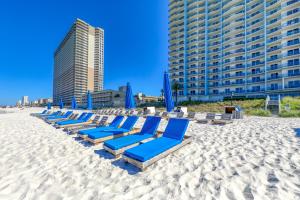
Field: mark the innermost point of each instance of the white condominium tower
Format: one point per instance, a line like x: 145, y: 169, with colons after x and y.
x: 249, y: 48
x: 79, y: 62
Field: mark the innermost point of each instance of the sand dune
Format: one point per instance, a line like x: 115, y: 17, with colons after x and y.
x: 253, y: 158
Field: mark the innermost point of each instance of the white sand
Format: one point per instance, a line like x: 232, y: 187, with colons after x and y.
x: 253, y: 158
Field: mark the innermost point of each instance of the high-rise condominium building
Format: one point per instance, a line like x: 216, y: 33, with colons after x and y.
x: 25, y: 100
x: 79, y: 62
x: 234, y: 47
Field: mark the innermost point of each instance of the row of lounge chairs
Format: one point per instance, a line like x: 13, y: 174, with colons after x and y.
x: 211, y: 118
x: 140, y: 147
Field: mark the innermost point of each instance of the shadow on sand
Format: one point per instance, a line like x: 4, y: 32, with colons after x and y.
x: 297, y: 131
x: 104, y: 154
x: 131, y: 169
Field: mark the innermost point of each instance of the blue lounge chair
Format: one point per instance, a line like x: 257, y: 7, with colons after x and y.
x: 119, y: 145
x: 172, y: 139
x: 57, y: 113
x: 37, y: 114
x: 114, y: 124
x: 96, y: 122
x: 66, y: 115
x: 103, y: 135
x: 53, y: 119
x: 80, y: 121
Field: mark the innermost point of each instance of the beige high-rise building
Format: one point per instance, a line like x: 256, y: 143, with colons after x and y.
x: 79, y: 62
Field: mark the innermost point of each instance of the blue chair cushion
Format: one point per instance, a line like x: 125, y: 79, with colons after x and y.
x: 122, y: 142
x: 69, y: 122
x: 176, y: 128
x: 97, y: 135
x: 151, y: 149
x: 94, y: 130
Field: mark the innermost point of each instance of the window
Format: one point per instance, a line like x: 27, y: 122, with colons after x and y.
x: 293, y: 42
x: 293, y: 62
x: 293, y: 52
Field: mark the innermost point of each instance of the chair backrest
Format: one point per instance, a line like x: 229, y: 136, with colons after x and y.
x: 157, y: 114
x: 151, y: 124
x: 146, y: 112
x: 67, y: 114
x: 87, y: 117
x: 225, y: 116
x: 129, y: 122
x: 117, y: 121
x: 96, y: 119
x: 180, y: 114
x: 210, y: 116
x: 176, y: 128
x: 165, y: 114
x: 82, y: 116
x: 131, y: 112
x: 103, y: 121
x: 191, y: 115
x: 73, y: 116
x: 56, y: 113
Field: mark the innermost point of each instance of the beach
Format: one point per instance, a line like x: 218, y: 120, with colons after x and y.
x: 252, y: 158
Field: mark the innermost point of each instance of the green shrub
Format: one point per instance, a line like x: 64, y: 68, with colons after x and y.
x: 291, y: 113
x: 294, y: 103
x: 258, y: 112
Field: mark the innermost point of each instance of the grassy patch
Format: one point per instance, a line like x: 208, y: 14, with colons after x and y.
x: 259, y: 112
x: 292, y: 113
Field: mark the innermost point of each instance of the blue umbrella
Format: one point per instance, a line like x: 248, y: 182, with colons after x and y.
x: 129, y: 100
x: 74, y: 104
x: 168, y: 93
x: 61, y: 104
x: 89, y: 101
x: 49, y: 106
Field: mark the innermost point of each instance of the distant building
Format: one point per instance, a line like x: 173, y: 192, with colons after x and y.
x: 44, y: 101
x: 19, y: 103
x: 142, y: 99
x: 107, y: 98
x: 79, y: 62
x: 25, y: 100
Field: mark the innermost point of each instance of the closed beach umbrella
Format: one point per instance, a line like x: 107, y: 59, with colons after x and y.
x: 61, y: 104
x: 129, y: 99
x: 168, y: 93
x: 89, y: 101
x: 74, y: 104
x: 49, y: 106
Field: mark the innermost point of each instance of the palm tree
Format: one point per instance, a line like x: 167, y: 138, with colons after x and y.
x: 162, y: 94
x: 175, y: 88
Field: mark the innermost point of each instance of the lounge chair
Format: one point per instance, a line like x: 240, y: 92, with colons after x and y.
x: 125, y: 129
x: 157, y: 114
x: 148, y: 153
x: 225, y: 119
x: 114, y: 124
x: 119, y: 145
x: 165, y: 115
x: 180, y: 114
x: 95, y: 123
x: 36, y: 114
x: 209, y: 117
x: 57, y: 113
x: 53, y: 119
x: 72, y: 123
x: 191, y: 116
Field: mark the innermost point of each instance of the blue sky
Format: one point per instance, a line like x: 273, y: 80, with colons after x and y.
x: 136, y: 43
